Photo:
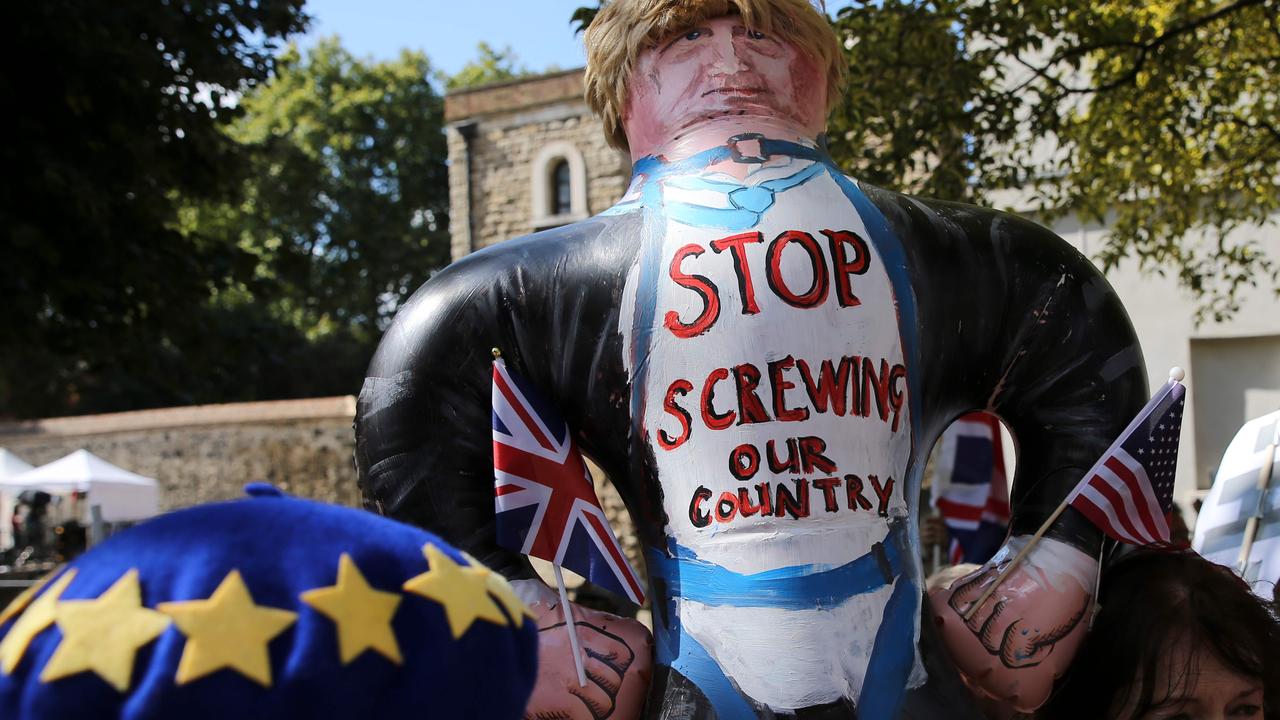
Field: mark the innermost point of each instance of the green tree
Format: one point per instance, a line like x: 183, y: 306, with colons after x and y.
x: 1155, y: 118
x: 920, y: 112
x: 349, y: 202
x: 582, y: 17
x: 325, y: 205
x: 114, y: 114
x: 490, y: 66
x: 344, y: 209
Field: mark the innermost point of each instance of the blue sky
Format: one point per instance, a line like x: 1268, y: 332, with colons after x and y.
x: 448, y: 30
x: 538, y: 31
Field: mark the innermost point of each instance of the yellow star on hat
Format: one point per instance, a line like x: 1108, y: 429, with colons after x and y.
x: 227, y: 631
x: 25, y: 596
x: 502, y: 590
x: 37, y: 617
x: 104, y: 635
x: 461, y: 589
x: 362, y: 614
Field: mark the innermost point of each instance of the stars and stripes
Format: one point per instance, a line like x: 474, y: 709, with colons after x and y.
x: 971, y: 490
x: 1129, y: 492
x: 545, y: 502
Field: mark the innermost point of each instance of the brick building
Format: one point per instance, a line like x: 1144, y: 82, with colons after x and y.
x: 525, y: 156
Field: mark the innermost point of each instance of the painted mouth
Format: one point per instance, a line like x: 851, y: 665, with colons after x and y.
x: 746, y: 91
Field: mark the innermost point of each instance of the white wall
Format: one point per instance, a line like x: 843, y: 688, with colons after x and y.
x: 1244, y: 348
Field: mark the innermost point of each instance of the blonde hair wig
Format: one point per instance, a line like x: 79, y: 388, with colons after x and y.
x: 625, y: 28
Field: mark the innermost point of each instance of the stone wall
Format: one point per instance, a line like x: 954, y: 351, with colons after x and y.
x: 208, y: 453
x: 491, y: 186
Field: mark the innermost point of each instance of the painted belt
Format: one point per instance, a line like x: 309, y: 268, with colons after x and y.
x: 796, y: 587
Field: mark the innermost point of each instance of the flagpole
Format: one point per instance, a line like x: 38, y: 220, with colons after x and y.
x: 1097, y: 584
x: 1176, y: 375
x: 573, y: 629
x: 1251, y: 525
x: 1017, y: 559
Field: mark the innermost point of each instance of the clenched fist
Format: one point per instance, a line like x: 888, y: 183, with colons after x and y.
x: 1024, y: 635
x: 617, y: 659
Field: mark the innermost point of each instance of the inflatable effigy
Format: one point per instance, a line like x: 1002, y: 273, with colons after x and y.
x: 760, y: 352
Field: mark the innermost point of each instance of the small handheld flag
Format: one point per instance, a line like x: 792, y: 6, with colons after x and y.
x: 545, y: 502
x: 1128, y: 493
x: 1129, y: 499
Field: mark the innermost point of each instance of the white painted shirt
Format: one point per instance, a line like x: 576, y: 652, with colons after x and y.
x: 783, y: 658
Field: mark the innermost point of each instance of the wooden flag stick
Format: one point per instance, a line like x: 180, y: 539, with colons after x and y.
x: 1251, y: 525
x: 1097, y: 588
x: 1017, y: 559
x: 573, y: 629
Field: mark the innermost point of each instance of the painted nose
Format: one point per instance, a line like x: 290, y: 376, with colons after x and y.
x: 731, y: 55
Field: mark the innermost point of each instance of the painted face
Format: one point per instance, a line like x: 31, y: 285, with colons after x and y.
x: 1215, y: 693
x: 721, y: 68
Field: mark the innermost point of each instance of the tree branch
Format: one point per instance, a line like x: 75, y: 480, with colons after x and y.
x: 1270, y: 129
x: 1143, y: 50
x: 1162, y: 38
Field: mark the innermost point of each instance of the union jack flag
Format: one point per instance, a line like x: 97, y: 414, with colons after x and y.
x: 545, y: 502
x: 971, y: 493
x: 1129, y: 492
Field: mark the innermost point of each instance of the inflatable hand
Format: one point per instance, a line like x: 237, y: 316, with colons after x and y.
x: 617, y: 658
x: 1025, y: 634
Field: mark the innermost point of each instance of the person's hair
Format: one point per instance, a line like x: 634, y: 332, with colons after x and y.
x: 625, y: 28
x: 1159, y: 610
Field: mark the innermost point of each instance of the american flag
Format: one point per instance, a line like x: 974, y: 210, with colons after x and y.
x: 546, y: 505
x: 1129, y: 492
x: 971, y: 491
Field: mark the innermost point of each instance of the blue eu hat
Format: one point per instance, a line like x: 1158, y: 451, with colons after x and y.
x: 268, y: 607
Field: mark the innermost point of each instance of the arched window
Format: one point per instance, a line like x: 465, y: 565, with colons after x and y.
x: 562, y: 187
x: 559, y: 186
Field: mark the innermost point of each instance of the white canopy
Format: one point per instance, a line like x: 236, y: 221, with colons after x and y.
x: 1236, y: 497
x: 11, y: 464
x: 122, y: 495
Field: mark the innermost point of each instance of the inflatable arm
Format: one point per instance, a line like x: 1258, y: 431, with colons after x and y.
x: 423, y: 439
x: 423, y: 445
x: 1016, y: 322
x: 1053, y: 354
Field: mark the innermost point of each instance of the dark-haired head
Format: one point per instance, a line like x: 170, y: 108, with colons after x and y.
x: 1167, y: 621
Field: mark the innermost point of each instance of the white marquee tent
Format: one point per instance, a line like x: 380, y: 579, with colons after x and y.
x: 11, y: 464
x: 121, y: 495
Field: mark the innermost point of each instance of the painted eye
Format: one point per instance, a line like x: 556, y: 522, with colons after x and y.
x: 755, y: 35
